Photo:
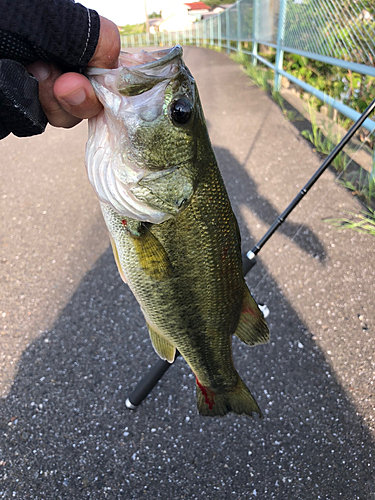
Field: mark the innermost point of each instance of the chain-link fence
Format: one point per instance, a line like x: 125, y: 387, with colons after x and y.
x: 342, y: 29
x: 336, y: 32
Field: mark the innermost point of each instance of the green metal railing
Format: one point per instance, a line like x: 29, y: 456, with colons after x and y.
x: 336, y: 32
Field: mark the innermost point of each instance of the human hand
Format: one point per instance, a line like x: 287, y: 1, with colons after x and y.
x: 67, y: 98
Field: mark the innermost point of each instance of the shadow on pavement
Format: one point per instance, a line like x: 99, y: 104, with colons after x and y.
x: 265, y: 211
x: 65, y: 431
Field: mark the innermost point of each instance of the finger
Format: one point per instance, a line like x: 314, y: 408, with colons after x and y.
x: 76, y: 96
x: 47, y: 74
x: 108, y: 48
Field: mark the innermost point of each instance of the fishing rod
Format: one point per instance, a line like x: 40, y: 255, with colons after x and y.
x: 250, y: 260
x: 148, y: 382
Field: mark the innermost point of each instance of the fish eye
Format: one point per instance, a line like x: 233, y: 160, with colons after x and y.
x: 181, y: 111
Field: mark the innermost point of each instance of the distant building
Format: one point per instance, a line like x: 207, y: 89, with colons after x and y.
x: 220, y: 8
x: 178, y: 15
x: 217, y: 10
x: 197, y: 9
x: 154, y: 24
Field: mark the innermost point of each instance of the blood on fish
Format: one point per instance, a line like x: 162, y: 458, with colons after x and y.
x: 124, y: 222
x: 248, y: 310
x: 207, y: 394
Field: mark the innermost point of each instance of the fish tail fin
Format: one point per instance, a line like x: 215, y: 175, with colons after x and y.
x: 237, y: 400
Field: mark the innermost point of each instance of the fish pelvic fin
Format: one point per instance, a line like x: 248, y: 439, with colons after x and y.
x: 252, y: 328
x: 217, y: 404
x: 161, y: 345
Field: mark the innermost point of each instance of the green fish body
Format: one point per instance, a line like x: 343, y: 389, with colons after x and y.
x: 173, y: 232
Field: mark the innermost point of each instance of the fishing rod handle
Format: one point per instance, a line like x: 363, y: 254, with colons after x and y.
x: 148, y: 382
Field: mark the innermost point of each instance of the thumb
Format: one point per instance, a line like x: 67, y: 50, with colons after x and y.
x: 108, y: 48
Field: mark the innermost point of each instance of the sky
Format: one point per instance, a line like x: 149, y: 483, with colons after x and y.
x: 123, y: 12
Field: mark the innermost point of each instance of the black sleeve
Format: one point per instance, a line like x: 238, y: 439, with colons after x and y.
x: 58, y: 31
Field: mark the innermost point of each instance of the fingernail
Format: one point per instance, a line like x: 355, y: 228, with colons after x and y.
x: 39, y: 70
x: 75, y: 98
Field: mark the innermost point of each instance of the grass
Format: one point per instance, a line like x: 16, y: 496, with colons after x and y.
x: 262, y: 77
x: 360, y: 182
x: 362, y: 223
x: 324, y: 142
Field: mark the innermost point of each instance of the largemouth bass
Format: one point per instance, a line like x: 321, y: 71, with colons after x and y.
x: 174, y: 236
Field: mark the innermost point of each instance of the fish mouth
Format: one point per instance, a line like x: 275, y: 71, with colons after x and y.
x: 149, y: 60
x: 138, y: 73
x: 143, y: 60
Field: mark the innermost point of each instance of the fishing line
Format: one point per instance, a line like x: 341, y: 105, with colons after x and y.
x: 351, y: 159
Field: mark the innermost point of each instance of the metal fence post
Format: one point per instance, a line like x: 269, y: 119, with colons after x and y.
x: 219, y: 29
x: 280, y: 43
x: 197, y: 35
x: 227, y: 31
x: 254, y: 51
x: 211, y: 31
x: 239, y: 46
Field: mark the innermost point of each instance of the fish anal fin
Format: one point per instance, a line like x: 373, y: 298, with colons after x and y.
x: 252, y: 328
x: 237, y: 400
x: 161, y: 345
x: 117, y: 259
x: 152, y: 256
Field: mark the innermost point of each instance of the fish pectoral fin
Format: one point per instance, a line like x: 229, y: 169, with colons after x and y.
x: 161, y: 345
x: 252, y: 328
x: 117, y: 259
x: 152, y: 256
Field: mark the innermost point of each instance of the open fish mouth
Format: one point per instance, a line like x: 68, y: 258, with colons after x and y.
x: 144, y: 60
x: 138, y: 73
x: 122, y: 151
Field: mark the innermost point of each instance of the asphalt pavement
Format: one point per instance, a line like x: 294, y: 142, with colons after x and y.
x: 74, y: 342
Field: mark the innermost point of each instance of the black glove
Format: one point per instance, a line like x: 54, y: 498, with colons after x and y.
x: 54, y: 31
x: 20, y: 110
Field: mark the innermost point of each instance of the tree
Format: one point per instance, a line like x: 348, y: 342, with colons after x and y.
x: 215, y: 3
x: 154, y: 15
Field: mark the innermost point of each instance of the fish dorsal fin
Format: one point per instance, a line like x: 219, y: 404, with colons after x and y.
x: 117, y: 259
x: 252, y: 327
x: 161, y: 345
x: 152, y: 256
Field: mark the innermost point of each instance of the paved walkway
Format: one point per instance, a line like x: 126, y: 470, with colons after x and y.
x: 73, y: 339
